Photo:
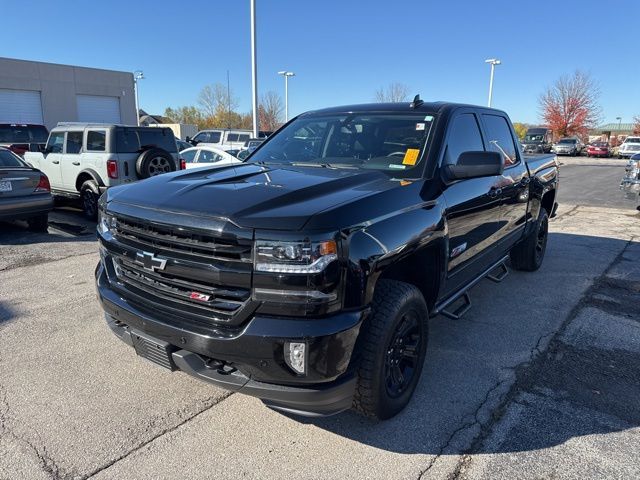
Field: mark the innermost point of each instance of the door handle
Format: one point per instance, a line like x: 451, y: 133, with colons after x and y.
x: 55, y: 161
x: 494, y: 192
x: 76, y: 163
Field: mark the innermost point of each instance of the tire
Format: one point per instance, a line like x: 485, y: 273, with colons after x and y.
x: 89, y: 194
x: 399, y: 318
x: 39, y: 223
x: 154, y: 161
x: 529, y: 254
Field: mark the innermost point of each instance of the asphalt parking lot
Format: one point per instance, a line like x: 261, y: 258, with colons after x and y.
x: 541, y: 379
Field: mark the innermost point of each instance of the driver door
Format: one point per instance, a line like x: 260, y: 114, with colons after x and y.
x: 50, y: 165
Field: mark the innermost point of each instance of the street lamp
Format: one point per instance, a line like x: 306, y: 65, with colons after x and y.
x: 493, y: 62
x: 137, y: 76
x: 254, y: 69
x: 286, y: 76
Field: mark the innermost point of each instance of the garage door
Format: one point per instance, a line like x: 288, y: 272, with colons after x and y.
x: 20, y: 106
x: 98, y: 109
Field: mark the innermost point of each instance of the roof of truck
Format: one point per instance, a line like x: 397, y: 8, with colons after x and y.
x: 430, y: 107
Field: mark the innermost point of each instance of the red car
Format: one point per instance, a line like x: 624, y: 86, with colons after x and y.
x: 598, y: 149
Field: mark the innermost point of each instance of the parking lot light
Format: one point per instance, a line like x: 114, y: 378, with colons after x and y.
x: 493, y: 62
x: 286, y: 76
x: 137, y: 76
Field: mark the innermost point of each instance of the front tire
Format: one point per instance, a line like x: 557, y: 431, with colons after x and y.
x: 89, y: 194
x: 392, y: 350
x: 529, y: 254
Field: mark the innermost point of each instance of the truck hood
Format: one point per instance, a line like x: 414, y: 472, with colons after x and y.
x: 251, y: 195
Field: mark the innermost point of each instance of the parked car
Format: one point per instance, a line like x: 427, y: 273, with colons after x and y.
x: 21, y: 138
x: 306, y: 276
x: 82, y: 160
x: 598, y: 149
x: 537, y: 140
x: 195, y: 157
x: 629, y: 147
x: 227, y: 139
x: 25, y: 193
x: 568, y: 146
x: 182, y: 145
x: 253, y: 143
x: 631, y: 181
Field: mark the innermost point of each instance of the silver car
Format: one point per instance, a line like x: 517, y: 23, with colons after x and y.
x: 25, y: 193
x: 631, y: 181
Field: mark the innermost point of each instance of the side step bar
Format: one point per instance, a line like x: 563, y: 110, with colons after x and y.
x: 463, y: 293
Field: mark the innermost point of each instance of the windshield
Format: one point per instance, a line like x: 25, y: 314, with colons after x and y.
x: 599, y: 144
x: 632, y: 140
x: 380, y: 141
x: 23, y: 134
x: 570, y: 141
x: 534, y: 138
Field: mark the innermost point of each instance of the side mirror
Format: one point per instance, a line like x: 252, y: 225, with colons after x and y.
x: 187, y: 139
x: 475, y: 165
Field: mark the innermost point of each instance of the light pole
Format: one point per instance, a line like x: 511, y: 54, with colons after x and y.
x: 254, y: 70
x: 137, y: 76
x: 286, y: 76
x: 493, y: 62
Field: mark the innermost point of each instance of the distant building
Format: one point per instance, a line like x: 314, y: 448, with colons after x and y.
x: 610, y: 131
x: 48, y: 93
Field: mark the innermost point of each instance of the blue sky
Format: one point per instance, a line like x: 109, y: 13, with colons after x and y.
x: 342, y: 50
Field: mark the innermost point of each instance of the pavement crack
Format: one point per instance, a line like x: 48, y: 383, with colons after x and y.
x: 155, y: 437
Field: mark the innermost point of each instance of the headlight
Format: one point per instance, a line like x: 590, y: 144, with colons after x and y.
x: 106, y: 222
x: 294, y: 257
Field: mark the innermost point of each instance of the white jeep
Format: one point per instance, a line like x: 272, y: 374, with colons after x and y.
x: 82, y: 160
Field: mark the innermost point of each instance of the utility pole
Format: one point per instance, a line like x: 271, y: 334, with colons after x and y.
x: 137, y: 76
x: 286, y: 76
x: 254, y: 70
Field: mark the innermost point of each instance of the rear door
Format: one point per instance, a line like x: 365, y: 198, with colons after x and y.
x: 71, y: 163
x: 514, y: 182
x: 473, y: 207
x: 50, y: 165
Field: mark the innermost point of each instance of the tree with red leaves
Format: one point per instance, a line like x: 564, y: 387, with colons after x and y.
x: 570, y: 106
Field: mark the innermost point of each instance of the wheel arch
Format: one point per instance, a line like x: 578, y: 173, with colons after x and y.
x: 88, y: 174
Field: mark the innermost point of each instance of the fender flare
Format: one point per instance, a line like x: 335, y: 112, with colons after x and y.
x: 91, y: 173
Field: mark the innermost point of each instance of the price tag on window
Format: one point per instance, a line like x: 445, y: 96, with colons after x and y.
x: 411, y: 156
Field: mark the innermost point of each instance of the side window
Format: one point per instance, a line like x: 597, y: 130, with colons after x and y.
x: 500, y: 138
x: 189, y: 156
x: 74, y: 142
x: 214, y: 137
x: 96, y: 141
x: 243, y: 138
x: 464, y: 136
x: 202, y: 137
x: 232, y: 137
x: 55, y: 142
x: 208, y: 157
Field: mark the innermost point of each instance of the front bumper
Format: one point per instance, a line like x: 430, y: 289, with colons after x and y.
x: 253, y: 354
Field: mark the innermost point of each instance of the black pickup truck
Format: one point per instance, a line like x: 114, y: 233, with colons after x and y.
x: 306, y: 276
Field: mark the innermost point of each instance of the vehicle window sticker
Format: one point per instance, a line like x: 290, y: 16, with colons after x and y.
x: 411, y: 156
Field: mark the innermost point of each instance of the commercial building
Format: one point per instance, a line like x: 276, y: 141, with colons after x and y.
x: 48, y: 93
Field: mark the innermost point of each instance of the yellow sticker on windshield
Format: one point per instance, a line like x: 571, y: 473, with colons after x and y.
x: 411, y: 157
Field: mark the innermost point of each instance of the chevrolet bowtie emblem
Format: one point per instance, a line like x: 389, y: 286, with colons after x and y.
x: 150, y: 262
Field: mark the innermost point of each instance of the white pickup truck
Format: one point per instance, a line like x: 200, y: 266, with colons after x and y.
x: 82, y: 160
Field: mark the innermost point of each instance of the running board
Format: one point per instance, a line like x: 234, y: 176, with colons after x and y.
x: 463, y: 294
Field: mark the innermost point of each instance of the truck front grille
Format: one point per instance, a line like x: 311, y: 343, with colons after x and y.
x: 195, y: 275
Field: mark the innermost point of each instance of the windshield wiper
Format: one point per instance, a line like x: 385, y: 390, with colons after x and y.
x: 324, y: 165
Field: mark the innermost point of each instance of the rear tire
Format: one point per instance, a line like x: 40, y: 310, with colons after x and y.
x: 529, y: 254
x: 154, y: 161
x: 39, y: 223
x: 89, y: 194
x: 392, y: 350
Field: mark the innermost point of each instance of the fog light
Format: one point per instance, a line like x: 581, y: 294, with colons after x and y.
x: 295, y: 354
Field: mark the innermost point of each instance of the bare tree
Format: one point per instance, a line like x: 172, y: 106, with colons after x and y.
x: 636, y: 125
x: 570, y: 106
x: 395, y: 92
x: 270, y: 111
x: 215, y: 100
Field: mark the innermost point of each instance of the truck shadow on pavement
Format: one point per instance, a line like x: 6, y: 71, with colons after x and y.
x: 511, y: 376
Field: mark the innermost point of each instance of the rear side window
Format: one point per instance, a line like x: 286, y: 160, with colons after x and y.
x: 500, y: 138
x: 243, y: 138
x: 74, y: 142
x: 96, y: 141
x: 8, y: 159
x: 208, y: 157
x: 232, y: 137
x: 464, y: 136
x: 137, y: 140
x: 189, y: 156
x: 55, y: 143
